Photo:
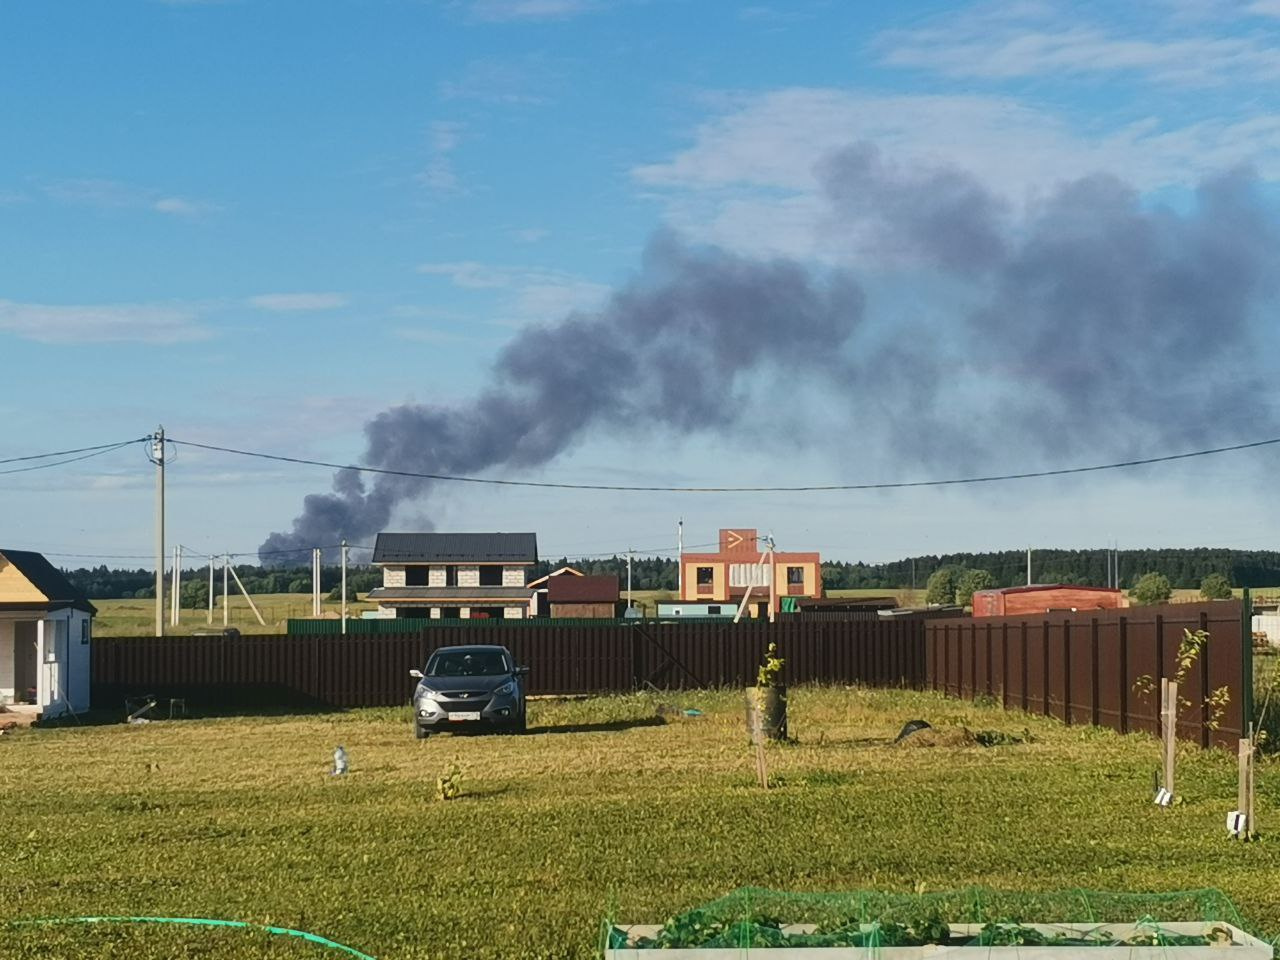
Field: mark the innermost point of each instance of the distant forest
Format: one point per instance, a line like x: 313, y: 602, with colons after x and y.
x: 1185, y: 568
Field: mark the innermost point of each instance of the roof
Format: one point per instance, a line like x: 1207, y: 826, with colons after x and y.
x: 436, y: 594
x: 46, y: 580
x: 597, y: 589
x: 1037, y: 587
x: 541, y: 581
x: 456, y: 548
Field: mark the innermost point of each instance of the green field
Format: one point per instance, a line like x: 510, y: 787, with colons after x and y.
x: 137, y: 618
x: 604, y: 807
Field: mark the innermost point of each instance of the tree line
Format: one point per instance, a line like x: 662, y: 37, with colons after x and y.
x: 1183, y: 568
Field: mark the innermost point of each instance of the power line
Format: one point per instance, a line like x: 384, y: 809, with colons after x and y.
x: 96, y: 452
x: 67, y: 453
x: 805, y: 488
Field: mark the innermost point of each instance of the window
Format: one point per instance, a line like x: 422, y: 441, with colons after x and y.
x: 491, y: 576
x: 713, y: 611
x: 451, y: 575
x: 795, y: 576
x: 84, y: 630
x: 417, y: 576
x: 705, y: 576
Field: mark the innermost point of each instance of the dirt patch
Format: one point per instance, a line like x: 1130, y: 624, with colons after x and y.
x: 935, y: 737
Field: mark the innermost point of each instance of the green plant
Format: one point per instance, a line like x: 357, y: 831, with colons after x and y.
x: 1215, y: 587
x: 449, y: 784
x: 1152, y: 588
x: 770, y: 671
x: 1189, y: 649
x: 968, y: 582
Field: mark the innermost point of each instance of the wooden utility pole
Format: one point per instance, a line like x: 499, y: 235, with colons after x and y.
x: 766, y: 558
x: 252, y: 605
x: 226, y: 592
x: 210, y: 619
x: 157, y: 457
x: 344, y: 585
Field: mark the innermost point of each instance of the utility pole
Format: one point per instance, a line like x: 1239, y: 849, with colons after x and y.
x: 628, y: 579
x: 1028, y: 566
x: 210, y: 620
x: 344, y: 585
x: 315, y: 582
x: 680, y: 559
x: 773, y: 578
x: 175, y: 605
x: 226, y: 591
x: 157, y: 457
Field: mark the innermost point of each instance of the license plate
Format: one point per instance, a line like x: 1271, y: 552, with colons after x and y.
x: 464, y: 715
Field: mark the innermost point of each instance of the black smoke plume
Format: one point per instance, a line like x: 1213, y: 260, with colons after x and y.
x: 1090, y: 323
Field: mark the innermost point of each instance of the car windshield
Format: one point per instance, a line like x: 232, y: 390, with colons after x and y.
x: 473, y: 663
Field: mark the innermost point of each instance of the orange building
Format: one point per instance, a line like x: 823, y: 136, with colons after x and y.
x: 1041, y: 598
x: 724, y: 577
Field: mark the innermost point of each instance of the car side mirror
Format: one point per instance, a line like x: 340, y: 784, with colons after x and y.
x: 522, y: 671
x: 416, y: 674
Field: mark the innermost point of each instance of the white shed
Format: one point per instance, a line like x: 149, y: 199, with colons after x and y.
x: 45, y: 635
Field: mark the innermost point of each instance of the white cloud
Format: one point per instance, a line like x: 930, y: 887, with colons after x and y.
x: 500, y: 11
x: 530, y: 234
x: 509, y: 81
x: 444, y: 138
x: 110, y: 323
x: 1000, y: 44
x: 528, y: 293
x: 182, y: 207
x: 108, y: 194
x: 1265, y: 8
x: 748, y: 178
x: 298, y: 302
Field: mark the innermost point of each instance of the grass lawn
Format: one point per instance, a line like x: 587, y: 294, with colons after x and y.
x: 602, y: 807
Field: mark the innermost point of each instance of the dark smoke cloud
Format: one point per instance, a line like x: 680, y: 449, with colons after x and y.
x: 1102, y: 325
x: 673, y: 348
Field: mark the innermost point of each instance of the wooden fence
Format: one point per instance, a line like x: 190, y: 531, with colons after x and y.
x: 1100, y: 667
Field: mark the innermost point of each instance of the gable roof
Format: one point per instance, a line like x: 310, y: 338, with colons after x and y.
x: 456, y: 548
x: 563, y: 571
x: 48, y: 588
x: 580, y: 589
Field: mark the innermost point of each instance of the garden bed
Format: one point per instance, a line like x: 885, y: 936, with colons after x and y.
x: 693, y: 938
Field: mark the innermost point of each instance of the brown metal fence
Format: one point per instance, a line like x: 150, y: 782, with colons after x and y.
x: 1083, y: 668
x: 373, y: 670
x: 1091, y: 667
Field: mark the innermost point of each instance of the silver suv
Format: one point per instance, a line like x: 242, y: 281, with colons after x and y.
x: 469, y: 687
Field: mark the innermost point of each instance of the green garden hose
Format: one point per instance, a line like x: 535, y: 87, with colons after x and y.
x: 201, y: 922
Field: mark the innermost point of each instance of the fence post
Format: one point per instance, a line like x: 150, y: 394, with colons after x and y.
x: 1066, y: 672
x: 1122, y: 641
x: 1095, y: 709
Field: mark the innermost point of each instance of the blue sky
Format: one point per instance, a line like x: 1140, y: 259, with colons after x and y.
x: 261, y: 223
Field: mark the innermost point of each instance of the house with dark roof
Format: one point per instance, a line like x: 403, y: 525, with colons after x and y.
x: 45, y: 632
x: 454, y: 575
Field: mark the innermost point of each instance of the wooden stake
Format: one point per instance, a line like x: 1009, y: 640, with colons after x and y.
x: 757, y: 736
x: 1169, y: 728
x: 1244, y: 793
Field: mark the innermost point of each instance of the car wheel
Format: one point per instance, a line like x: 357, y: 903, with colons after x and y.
x: 521, y: 725
x: 421, y: 732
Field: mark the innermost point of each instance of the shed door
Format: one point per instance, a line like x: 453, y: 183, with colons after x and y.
x: 25, y: 664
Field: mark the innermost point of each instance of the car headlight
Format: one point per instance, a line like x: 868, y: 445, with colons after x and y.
x: 508, y: 687
x: 428, y: 695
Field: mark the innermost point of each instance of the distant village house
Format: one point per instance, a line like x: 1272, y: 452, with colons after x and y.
x: 454, y: 575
